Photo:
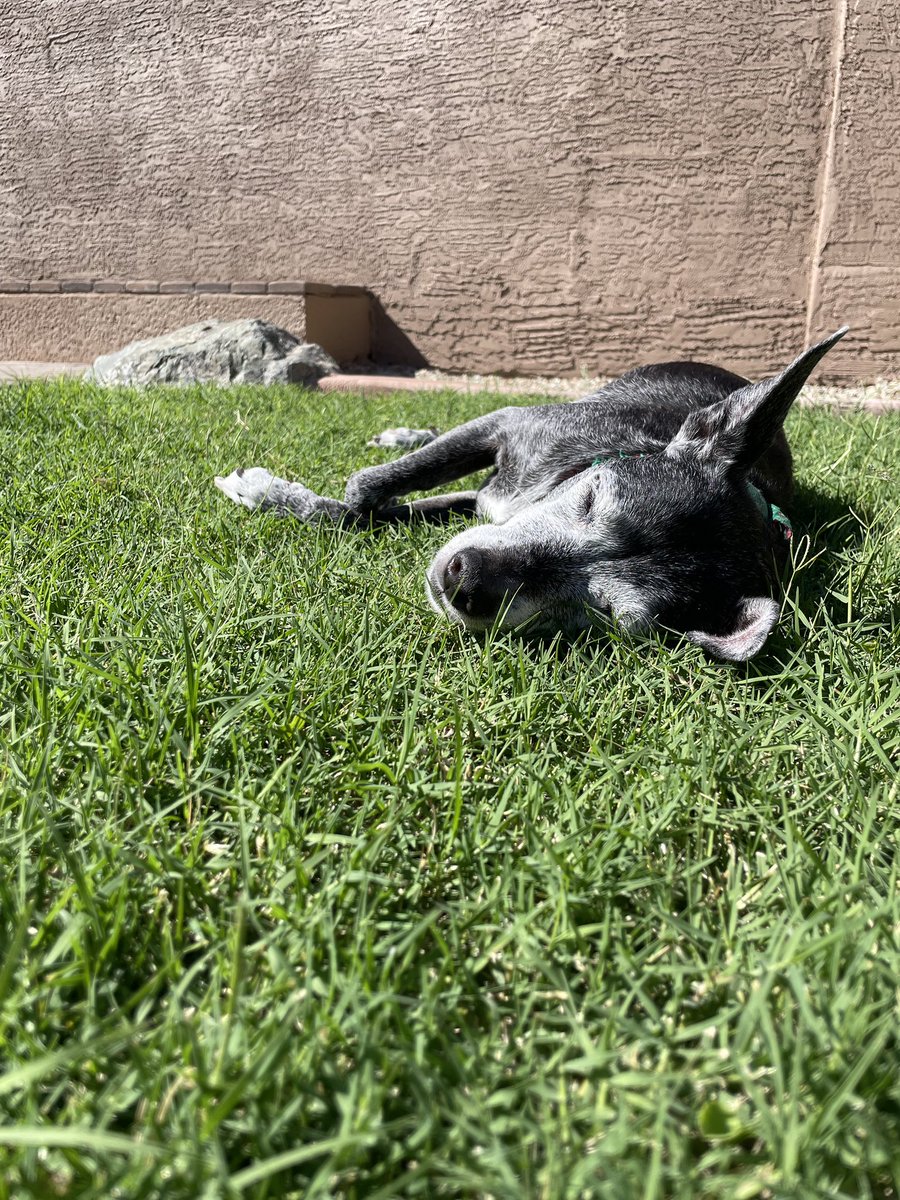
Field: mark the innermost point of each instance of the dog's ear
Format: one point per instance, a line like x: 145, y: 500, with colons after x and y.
x: 738, y: 429
x: 754, y: 619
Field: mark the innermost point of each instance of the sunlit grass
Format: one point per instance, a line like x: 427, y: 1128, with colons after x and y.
x: 304, y: 894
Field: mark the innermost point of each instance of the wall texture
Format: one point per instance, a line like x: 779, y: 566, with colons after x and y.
x: 526, y: 185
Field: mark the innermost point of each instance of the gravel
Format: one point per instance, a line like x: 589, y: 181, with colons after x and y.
x: 881, y: 396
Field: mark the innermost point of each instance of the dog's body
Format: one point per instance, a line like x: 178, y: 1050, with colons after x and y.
x: 654, y: 502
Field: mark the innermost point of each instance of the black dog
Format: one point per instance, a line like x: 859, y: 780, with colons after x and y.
x: 654, y: 502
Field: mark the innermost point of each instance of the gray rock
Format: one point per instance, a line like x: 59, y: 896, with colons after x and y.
x: 245, y: 351
x: 305, y: 364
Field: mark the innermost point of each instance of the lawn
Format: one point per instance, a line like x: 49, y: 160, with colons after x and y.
x: 306, y: 894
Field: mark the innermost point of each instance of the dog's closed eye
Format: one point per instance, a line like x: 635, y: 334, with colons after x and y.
x: 597, y: 501
x: 586, y: 509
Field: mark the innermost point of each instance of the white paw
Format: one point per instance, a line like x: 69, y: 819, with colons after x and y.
x: 255, y: 487
x: 403, y: 437
x: 249, y: 486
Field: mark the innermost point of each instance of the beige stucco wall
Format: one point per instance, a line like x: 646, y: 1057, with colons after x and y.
x: 526, y: 187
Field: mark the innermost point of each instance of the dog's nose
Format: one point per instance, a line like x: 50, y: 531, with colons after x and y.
x: 462, y: 577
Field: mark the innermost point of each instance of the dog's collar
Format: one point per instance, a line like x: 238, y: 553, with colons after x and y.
x: 602, y: 458
x: 770, y: 511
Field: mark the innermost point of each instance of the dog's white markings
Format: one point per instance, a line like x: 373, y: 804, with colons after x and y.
x: 247, y: 485
x: 498, y: 508
x: 255, y: 487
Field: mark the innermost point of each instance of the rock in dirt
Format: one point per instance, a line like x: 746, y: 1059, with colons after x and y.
x: 245, y: 351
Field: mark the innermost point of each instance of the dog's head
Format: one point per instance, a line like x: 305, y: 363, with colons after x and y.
x: 671, y: 540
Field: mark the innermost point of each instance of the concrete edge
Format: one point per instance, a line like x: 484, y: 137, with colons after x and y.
x: 382, y: 385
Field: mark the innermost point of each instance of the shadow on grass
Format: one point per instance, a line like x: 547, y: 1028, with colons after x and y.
x: 835, y: 525
x: 828, y: 517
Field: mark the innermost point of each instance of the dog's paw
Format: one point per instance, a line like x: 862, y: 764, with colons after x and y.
x: 250, y: 486
x: 255, y: 487
x: 366, y: 490
x: 406, y: 439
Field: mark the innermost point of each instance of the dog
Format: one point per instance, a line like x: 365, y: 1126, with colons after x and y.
x: 655, y: 503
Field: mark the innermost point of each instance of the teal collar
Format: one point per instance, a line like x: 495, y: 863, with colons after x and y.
x: 602, y: 458
x: 770, y: 511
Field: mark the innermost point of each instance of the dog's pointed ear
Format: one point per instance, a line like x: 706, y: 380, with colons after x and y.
x: 738, y: 429
x: 754, y: 620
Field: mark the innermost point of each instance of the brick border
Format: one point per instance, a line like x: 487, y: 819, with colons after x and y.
x: 174, y: 287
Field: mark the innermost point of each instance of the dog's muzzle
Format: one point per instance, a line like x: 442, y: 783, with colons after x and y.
x: 472, y: 587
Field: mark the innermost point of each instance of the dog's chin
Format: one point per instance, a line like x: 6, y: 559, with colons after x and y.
x: 442, y: 606
x: 438, y: 601
x: 515, y: 617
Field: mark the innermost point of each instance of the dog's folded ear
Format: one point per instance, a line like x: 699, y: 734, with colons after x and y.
x: 754, y: 620
x: 738, y: 429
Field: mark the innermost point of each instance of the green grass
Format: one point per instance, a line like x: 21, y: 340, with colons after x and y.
x: 304, y: 894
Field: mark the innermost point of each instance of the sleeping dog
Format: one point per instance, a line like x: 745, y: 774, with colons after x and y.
x: 656, y: 502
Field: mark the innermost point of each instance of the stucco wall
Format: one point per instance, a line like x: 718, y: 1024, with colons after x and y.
x: 525, y: 185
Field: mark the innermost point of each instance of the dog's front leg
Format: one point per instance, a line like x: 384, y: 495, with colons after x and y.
x: 255, y: 487
x: 435, y: 510
x: 470, y: 447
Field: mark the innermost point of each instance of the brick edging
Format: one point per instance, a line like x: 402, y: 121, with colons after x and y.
x: 173, y: 287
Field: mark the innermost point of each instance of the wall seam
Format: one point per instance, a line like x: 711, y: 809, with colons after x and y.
x: 163, y: 287
x: 825, y: 198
